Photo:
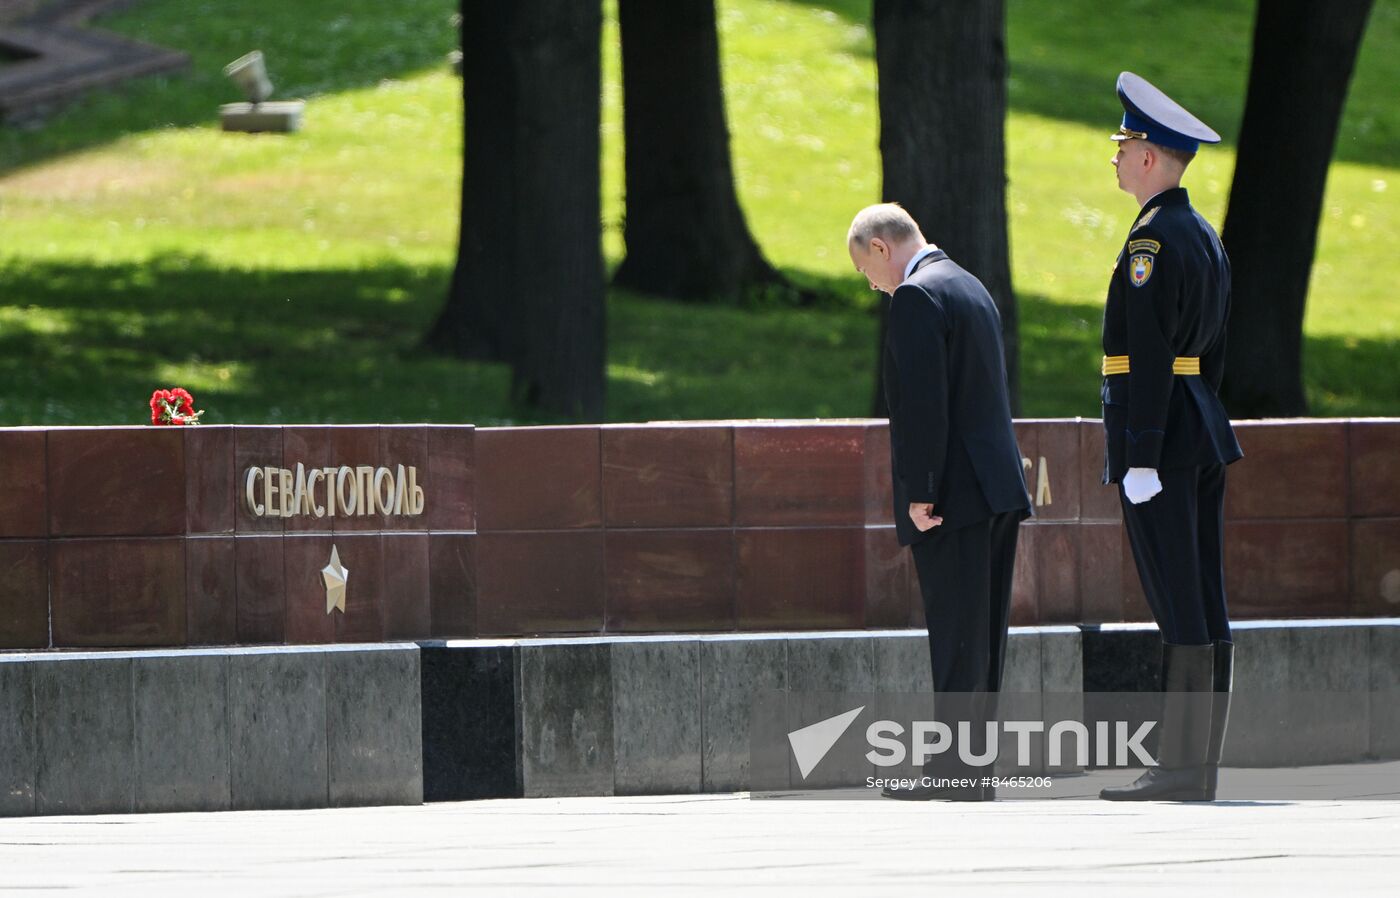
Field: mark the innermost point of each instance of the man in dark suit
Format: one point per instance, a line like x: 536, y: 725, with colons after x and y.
x: 959, y: 491
x: 1167, y: 437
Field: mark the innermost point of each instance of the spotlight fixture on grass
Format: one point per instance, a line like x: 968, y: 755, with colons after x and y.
x: 250, y: 73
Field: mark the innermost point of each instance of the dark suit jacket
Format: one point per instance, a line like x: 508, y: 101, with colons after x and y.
x: 1169, y: 297
x: 951, y: 439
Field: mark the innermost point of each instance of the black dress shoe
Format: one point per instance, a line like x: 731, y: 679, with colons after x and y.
x: 1162, y: 784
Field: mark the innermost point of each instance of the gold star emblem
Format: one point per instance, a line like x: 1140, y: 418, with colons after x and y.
x: 335, y: 574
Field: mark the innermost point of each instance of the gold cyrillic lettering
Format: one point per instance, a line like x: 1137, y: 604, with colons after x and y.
x: 349, y: 504
x: 302, y: 501
x: 1042, y: 484
x: 250, y: 492
x: 415, y: 493
x: 364, y: 474
x: 271, y: 509
x: 312, y: 476
x: 329, y: 474
x: 284, y: 490
x: 397, y: 504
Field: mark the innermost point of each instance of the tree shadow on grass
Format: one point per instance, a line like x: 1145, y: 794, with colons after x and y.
x: 313, y: 47
x: 86, y: 344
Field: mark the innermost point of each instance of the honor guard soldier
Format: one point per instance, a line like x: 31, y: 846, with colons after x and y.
x: 1167, y: 437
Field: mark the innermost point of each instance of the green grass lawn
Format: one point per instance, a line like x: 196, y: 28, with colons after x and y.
x: 288, y: 278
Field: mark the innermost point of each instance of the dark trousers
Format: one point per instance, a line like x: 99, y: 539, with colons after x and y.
x: 1178, y: 543
x: 965, y: 578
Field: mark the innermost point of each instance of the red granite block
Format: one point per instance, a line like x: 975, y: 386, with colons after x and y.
x: 808, y: 579
x: 312, y: 447
x: 211, y: 486
x: 303, y: 558
x: 1375, y: 467
x: 362, y: 554
x: 891, y: 586
x: 1290, y: 469
x: 357, y: 446
x: 451, y: 485
x: 1055, y: 479
x: 406, y: 446
x: 668, y: 475
x: 540, y: 583
x: 669, y: 580
x: 254, y: 447
x: 211, y: 591
x: 24, y: 509
x: 116, y: 481
x: 1097, y: 501
x: 452, y: 585
x: 24, y: 594
x: 799, y: 474
x: 1375, y: 567
x: 1135, y: 607
x: 1101, y: 572
x: 1057, y: 571
x: 538, y: 478
x: 1287, y: 568
x: 406, y: 597
x: 879, y: 484
x: 1025, y: 581
x: 261, y: 585
x: 118, y: 592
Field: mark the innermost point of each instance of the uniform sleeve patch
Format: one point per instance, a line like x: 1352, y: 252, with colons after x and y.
x: 1144, y: 246
x: 1140, y: 269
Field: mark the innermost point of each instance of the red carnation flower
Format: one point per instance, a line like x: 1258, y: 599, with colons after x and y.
x: 173, y: 407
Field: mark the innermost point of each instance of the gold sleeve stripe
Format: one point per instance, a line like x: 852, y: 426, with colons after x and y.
x: 1119, y: 364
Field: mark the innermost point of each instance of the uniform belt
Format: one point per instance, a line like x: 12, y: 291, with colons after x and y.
x: 1182, y: 364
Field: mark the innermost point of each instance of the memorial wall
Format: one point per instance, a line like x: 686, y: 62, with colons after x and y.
x: 255, y: 535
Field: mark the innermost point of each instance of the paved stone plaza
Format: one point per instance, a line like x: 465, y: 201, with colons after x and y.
x: 641, y: 845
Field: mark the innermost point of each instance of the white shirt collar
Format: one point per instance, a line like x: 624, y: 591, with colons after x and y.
x: 918, y: 257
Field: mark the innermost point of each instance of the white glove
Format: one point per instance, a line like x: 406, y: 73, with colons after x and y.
x: 1141, y: 484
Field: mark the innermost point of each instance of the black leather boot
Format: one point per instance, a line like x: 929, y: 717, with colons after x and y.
x: 1187, y: 687
x: 1223, y: 681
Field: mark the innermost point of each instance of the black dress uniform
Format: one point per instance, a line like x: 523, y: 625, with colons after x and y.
x: 1164, y: 350
x: 952, y: 444
x: 1164, y: 354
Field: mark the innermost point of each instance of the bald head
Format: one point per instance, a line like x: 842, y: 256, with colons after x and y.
x: 887, y: 221
x: 881, y: 241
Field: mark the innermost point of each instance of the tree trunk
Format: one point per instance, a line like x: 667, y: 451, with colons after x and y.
x: 1304, y: 53
x: 942, y: 82
x: 685, y: 232
x: 527, y: 288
